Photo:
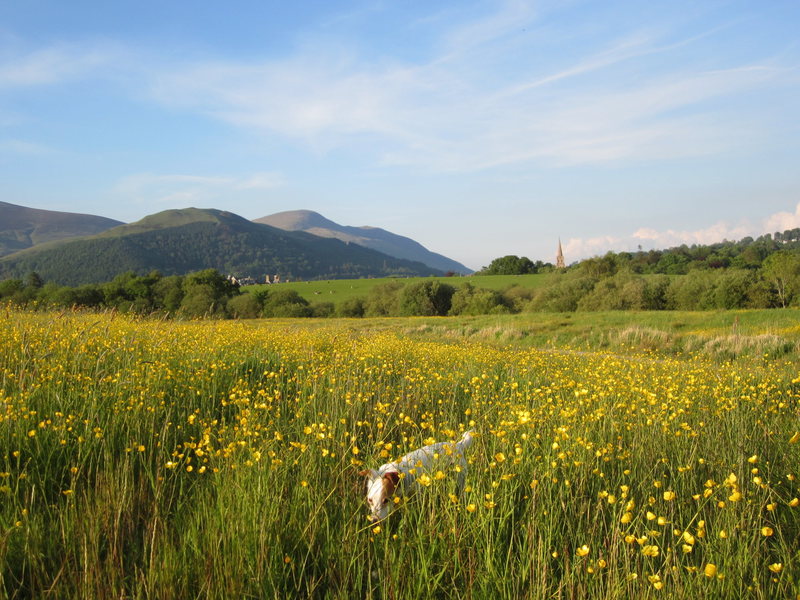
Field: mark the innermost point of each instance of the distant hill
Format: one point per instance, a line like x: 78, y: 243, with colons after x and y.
x: 22, y: 227
x: 369, y: 237
x: 182, y: 241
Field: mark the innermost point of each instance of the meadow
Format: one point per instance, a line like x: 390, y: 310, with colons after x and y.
x: 148, y: 458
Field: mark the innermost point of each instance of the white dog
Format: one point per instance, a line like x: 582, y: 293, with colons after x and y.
x: 382, y: 484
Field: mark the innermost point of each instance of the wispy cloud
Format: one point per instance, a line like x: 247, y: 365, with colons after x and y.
x: 649, y: 238
x: 456, y: 112
x: 53, y: 64
x: 462, y: 107
x: 176, y: 190
x: 23, y: 148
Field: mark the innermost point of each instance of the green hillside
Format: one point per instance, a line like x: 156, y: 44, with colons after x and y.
x: 182, y: 241
x: 22, y: 227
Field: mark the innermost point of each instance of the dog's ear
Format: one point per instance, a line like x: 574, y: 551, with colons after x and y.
x: 370, y: 474
x: 390, y: 481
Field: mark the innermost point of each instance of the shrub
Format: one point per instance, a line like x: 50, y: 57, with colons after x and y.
x: 563, y: 296
x: 693, y: 291
x: 518, y: 297
x: 352, y: 307
x: 383, y: 299
x: 731, y: 289
x: 469, y: 300
x: 426, y: 298
x: 286, y: 303
x: 322, y: 309
x: 244, y: 306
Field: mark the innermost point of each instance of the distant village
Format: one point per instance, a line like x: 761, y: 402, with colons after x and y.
x: 242, y: 281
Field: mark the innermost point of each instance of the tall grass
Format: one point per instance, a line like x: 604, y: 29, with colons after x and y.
x: 148, y: 459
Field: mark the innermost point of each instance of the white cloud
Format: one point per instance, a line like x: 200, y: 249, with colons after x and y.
x: 649, y: 238
x: 577, y: 248
x: 715, y: 233
x: 782, y: 221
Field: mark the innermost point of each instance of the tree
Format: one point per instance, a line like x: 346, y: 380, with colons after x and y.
x: 564, y: 295
x: 382, y: 300
x: 10, y: 287
x: 286, y: 303
x: 168, y: 293
x: 598, y: 267
x: 426, y: 298
x: 693, y: 291
x: 782, y: 270
x: 352, y: 307
x: 206, y: 293
x: 509, y: 265
x: 33, y: 280
x: 129, y: 291
x: 322, y: 310
x: 470, y: 300
x: 731, y: 289
x: 623, y: 291
x: 244, y: 306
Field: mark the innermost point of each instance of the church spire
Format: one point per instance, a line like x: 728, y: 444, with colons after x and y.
x: 560, y: 257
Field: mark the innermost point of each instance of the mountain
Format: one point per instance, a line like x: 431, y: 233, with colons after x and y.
x: 22, y: 227
x: 180, y: 241
x: 369, y: 237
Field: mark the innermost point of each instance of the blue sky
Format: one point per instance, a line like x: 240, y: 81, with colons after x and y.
x: 477, y: 128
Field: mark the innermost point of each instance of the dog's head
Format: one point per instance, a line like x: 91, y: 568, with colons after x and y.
x: 380, y: 489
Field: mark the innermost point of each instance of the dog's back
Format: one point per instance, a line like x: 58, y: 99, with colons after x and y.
x: 426, y: 458
x: 381, y: 484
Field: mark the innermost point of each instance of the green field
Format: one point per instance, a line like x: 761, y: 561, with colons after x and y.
x: 618, y: 455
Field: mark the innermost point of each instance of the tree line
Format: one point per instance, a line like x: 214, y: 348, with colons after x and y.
x: 208, y: 293
x: 766, y: 275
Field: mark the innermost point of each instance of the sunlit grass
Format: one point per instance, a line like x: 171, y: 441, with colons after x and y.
x: 144, y: 458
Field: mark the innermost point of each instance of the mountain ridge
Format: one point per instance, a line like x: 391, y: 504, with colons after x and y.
x: 22, y: 227
x: 179, y: 241
x: 375, y: 238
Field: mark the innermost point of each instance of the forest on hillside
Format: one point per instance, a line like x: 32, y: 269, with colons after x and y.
x: 240, y: 247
